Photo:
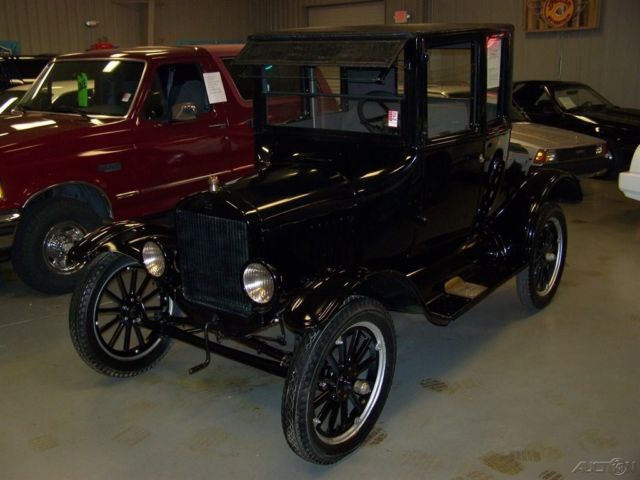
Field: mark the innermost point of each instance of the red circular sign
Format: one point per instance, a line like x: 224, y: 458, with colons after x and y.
x: 557, y: 13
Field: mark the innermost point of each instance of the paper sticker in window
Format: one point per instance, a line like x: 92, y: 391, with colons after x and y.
x: 392, y: 118
x: 215, y: 88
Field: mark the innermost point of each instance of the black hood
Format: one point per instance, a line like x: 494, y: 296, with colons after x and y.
x: 626, y: 118
x: 281, y: 195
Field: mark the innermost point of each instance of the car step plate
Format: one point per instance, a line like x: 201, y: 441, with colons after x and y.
x: 458, y: 287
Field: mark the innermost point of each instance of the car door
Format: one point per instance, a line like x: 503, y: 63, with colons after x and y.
x: 453, y: 143
x: 182, y: 137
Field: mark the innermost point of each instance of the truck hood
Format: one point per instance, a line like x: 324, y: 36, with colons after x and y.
x: 24, y: 133
x: 537, y: 136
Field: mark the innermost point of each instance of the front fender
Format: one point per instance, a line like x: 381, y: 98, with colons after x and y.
x: 515, y: 222
x: 321, y: 298
x: 127, y: 237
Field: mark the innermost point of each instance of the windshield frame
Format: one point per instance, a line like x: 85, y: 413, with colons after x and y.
x: 45, y: 72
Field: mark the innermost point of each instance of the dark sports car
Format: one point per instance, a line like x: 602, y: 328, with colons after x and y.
x: 578, y: 107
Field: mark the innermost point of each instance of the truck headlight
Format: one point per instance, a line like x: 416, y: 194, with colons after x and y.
x: 153, y: 259
x: 258, y: 282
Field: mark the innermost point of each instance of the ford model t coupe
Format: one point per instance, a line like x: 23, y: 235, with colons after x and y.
x: 370, y: 196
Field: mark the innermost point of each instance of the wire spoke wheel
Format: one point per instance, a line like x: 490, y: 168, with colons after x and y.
x: 127, y: 305
x: 338, y: 382
x: 113, y: 314
x: 349, y: 383
x: 538, y: 283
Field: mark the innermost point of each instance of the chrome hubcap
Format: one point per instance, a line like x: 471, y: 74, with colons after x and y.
x: 57, y: 243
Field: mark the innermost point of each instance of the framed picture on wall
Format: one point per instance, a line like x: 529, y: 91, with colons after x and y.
x: 556, y: 15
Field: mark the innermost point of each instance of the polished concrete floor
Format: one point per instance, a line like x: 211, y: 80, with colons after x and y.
x: 501, y: 393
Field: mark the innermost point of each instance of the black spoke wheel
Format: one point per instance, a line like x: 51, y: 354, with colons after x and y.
x: 538, y: 283
x: 112, y: 314
x: 338, y: 382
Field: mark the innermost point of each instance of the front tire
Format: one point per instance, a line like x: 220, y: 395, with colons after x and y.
x: 338, y: 382
x: 111, y: 311
x: 44, y: 237
x: 537, y: 284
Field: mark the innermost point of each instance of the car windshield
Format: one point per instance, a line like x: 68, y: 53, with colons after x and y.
x: 93, y: 87
x: 576, y: 97
x: 332, y: 97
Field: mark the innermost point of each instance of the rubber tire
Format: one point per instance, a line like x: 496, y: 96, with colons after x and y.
x: 524, y: 281
x: 26, y: 253
x: 309, y: 356
x: 83, y: 303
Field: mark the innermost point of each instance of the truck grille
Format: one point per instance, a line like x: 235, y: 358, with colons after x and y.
x: 211, y: 254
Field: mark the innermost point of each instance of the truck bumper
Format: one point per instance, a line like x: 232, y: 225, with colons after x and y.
x: 9, y: 220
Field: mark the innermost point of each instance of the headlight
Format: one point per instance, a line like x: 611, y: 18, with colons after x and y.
x: 153, y: 259
x: 544, y: 156
x: 258, y: 283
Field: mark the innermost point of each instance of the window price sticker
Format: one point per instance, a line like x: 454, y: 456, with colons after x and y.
x: 392, y: 118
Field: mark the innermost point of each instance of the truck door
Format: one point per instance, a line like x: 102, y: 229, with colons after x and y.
x: 453, y: 142
x: 182, y: 136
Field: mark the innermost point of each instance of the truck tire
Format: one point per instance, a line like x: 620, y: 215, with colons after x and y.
x: 338, y: 382
x: 111, y: 310
x: 46, y: 233
x: 537, y: 284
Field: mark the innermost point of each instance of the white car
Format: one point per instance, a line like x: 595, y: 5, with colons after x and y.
x: 629, y: 182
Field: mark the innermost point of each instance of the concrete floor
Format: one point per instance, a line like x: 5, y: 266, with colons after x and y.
x: 501, y: 393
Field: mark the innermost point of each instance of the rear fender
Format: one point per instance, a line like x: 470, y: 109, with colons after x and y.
x: 125, y: 237
x: 322, y: 298
x: 515, y: 222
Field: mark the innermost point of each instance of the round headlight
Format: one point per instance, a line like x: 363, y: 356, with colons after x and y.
x: 153, y: 259
x: 258, y: 283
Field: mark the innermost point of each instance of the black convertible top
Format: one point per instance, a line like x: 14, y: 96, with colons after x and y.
x: 365, y: 32
x: 367, y: 46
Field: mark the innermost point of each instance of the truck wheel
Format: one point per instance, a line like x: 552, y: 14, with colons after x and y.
x: 111, y: 310
x: 44, y: 237
x: 537, y: 284
x: 339, y: 381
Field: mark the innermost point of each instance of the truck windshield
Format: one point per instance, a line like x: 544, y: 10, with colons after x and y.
x: 332, y: 97
x: 92, y: 87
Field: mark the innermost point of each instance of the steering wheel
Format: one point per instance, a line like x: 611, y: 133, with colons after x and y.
x: 376, y: 123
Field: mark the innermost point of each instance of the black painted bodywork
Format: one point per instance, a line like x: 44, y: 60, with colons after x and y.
x: 338, y: 214
x: 619, y: 126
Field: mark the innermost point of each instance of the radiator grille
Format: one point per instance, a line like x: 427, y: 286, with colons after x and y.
x: 212, y: 252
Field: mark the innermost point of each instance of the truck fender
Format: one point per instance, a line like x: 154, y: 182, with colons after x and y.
x: 126, y: 237
x: 321, y: 298
x: 515, y: 222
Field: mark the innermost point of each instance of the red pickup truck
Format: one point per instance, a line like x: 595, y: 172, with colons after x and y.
x: 112, y: 135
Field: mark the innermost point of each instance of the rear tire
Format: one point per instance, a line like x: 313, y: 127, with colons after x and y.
x: 338, y: 382
x: 45, y: 235
x: 537, y: 284
x: 111, y: 309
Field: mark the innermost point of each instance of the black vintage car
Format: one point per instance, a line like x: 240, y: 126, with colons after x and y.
x: 578, y: 107
x: 371, y: 197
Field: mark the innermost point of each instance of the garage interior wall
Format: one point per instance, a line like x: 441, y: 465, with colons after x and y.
x: 606, y: 58
x: 58, y: 26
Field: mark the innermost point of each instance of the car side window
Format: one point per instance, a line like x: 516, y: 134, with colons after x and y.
x: 534, y: 99
x: 448, y: 102
x: 178, y: 94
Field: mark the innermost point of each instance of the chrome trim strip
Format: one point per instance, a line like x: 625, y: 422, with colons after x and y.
x: 132, y: 193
